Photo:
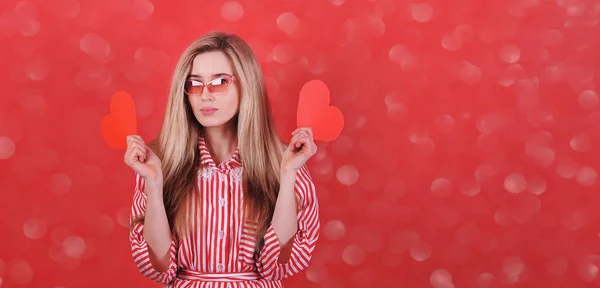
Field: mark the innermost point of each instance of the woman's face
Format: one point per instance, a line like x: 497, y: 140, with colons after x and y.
x: 211, y: 89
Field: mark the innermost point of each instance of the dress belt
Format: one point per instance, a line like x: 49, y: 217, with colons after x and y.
x: 221, y: 277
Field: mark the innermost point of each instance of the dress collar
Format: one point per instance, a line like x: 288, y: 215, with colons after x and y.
x: 206, y: 158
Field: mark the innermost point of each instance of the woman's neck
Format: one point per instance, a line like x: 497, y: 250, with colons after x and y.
x: 221, y: 143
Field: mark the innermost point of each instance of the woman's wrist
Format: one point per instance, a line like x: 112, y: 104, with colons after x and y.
x: 153, y: 186
x: 287, y: 173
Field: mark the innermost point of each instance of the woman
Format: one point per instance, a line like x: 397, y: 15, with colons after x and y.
x: 219, y: 200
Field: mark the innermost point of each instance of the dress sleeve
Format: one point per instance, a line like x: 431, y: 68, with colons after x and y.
x: 139, y: 247
x: 305, y: 239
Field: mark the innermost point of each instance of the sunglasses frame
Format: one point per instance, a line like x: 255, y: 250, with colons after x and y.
x: 205, y: 85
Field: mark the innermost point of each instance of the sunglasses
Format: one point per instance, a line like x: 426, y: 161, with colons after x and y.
x: 220, y: 85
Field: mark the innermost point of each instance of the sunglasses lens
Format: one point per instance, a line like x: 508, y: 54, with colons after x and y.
x: 219, y: 85
x: 216, y: 86
x: 193, y: 87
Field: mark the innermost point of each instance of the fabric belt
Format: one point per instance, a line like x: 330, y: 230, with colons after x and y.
x: 222, y: 277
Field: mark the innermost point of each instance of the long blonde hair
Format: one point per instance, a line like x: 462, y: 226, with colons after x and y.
x: 260, y: 149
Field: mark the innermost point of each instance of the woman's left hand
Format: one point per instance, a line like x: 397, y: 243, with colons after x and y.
x: 301, y: 148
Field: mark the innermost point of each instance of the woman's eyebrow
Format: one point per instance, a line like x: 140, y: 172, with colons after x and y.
x: 212, y: 76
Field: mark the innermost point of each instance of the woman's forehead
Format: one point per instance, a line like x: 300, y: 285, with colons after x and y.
x: 211, y: 64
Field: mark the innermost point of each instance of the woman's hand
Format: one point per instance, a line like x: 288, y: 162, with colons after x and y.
x: 301, y: 148
x: 143, y: 161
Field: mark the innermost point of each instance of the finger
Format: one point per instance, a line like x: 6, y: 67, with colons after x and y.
x: 133, y: 156
x: 133, y: 136
x: 137, y: 143
x: 306, y: 134
x: 291, y: 147
x: 309, y: 144
x: 302, y: 140
x: 294, y: 143
x: 138, y: 150
x: 295, y: 139
x: 309, y: 147
x: 300, y: 133
x: 309, y: 131
x: 135, y: 139
x: 138, y: 139
x: 139, y: 154
x: 149, y: 150
x: 313, y: 148
x: 299, y: 129
x: 130, y: 152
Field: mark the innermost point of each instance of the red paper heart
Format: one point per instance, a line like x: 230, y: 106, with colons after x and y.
x: 327, y: 122
x: 120, y: 122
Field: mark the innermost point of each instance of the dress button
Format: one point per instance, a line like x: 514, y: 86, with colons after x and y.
x: 222, y: 202
x: 219, y: 268
x: 221, y: 234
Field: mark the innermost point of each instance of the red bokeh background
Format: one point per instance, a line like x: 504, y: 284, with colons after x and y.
x: 469, y: 156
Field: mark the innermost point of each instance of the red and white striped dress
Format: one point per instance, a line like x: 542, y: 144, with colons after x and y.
x: 220, y: 253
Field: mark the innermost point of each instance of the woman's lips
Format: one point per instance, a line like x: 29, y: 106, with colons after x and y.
x: 208, y: 111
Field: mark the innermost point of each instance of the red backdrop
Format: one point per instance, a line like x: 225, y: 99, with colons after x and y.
x: 467, y: 158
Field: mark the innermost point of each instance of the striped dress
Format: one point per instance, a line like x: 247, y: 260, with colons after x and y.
x: 220, y: 253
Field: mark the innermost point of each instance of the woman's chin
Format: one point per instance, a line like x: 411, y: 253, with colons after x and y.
x: 206, y: 122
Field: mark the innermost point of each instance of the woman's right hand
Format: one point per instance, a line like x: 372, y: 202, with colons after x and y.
x: 143, y: 160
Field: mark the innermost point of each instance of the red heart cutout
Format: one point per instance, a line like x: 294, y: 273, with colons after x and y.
x: 327, y: 122
x: 120, y: 122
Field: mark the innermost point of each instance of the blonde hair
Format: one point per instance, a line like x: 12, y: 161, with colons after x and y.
x: 260, y: 149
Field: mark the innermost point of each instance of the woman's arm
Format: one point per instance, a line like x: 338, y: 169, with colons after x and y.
x: 275, y: 261
x: 153, y: 248
x: 156, y: 229
x: 284, y: 218
x: 294, y: 157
